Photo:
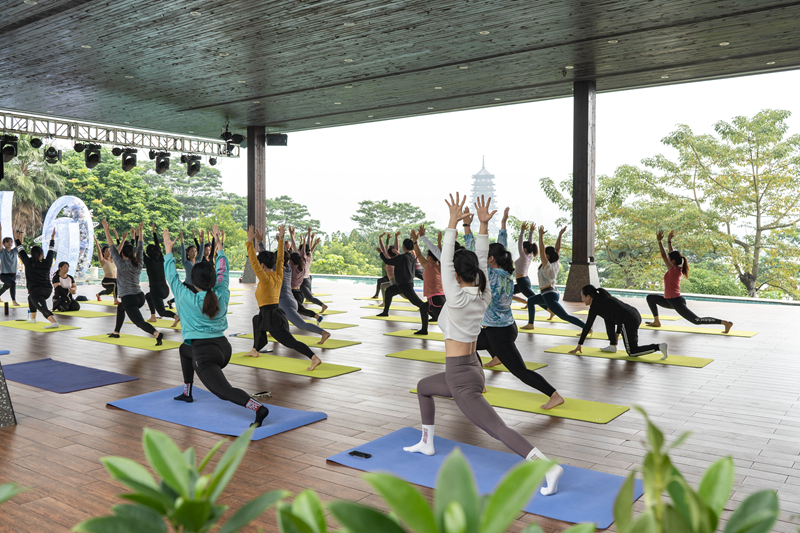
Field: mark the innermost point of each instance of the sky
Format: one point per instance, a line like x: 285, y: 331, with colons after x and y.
x: 420, y: 160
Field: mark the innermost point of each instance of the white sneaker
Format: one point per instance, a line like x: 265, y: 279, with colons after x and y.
x: 609, y: 349
x: 663, y: 349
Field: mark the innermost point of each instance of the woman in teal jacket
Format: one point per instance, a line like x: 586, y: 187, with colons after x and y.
x: 205, y: 350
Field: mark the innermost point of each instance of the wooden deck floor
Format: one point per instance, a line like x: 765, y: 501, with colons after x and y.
x: 745, y: 404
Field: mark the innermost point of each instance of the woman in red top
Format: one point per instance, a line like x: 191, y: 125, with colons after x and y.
x: 431, y: 279
x: 677, y: 266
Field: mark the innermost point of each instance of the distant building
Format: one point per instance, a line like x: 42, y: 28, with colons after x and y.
x: 483, y: 184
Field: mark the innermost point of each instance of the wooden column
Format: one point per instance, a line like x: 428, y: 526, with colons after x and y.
x: 256, y: 185
x: 583, y: 269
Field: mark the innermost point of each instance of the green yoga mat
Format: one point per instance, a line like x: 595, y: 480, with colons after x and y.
x: 321, y: 295
x: 331, y: 312
x: 84, y: 314
x: 165, y: 323
x: 290, y: 365
x: 433, y: 356
x: 308, y: 302
x: 330, y: 344
x: 645, y: 316
x: 398, y: 318
x: 707, y: 330
x: 107, y: 303
x: 134, y: 341
x: 331, y: 325
x: 435, y: 336
x: 12, y: 306
x: 596, y: 412
x: 517, y: 316
x: 621, y: 355
x: 38, y: 327
x: 234, y: 303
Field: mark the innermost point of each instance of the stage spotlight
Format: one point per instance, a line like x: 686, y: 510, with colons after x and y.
x: 237, y: 139
x: 91, y: 155
x: 80, y: 147
x: 192, y: 165
x: 52, y: 155
x: 36, y: 143
x: 9, y: 147
x: 212, y: 161
x: 152, y: 154
x: 226, y: 136
x: 162, y: 162
x: 128, y: 159
x: 184, y: 158
x: 116, y: 151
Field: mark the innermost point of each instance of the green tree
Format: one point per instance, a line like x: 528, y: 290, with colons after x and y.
x: 36, y: 185
x: 198, y: 194
x: 235, y: 236
x: 373, y: 217
x: 284, y: 210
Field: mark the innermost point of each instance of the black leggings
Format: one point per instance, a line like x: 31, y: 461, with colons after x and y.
x: 37, y: 301
x: 630, y: 337
x: 305, y: 287
x: 207, y: 357
x: 130, y: 305
x: 300, y: 298
x: 378, y: 286
x: 406, y: 290
x: 63, y: 301
x: 109, y: 287
x: 679, y: 305
x: 155, y: 300
x: 432, y: 307
x: 271, y: 319
x: 9, y: 284
x: 499, y: 342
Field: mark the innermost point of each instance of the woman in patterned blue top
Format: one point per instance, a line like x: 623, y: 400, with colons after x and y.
x: 499, y: 333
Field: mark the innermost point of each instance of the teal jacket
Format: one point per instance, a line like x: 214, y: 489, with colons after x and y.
x: 194, y: 324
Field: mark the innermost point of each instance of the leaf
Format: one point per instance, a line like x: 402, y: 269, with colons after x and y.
x: 307, y: 506
x: 455, y: 520
x: 456, y: 483
x: 623, y: 504
x: 645, y: 523
x: 716, y: 484
x: 694, y: 512
x: 677, y: 442
x: 167, y: 460
x: 511, y: 495
x: 209, y: 455
x: 190, y: 457
x: 360, y: 519
x: 192, y: 515
x: 533, y: 528
x: 756, y: 514
x: 110, y: 524
x: 404, y: 500
x: 122, y: 469
x: 253, y: 509
x: 289, y: 523
x: 673, y: 522
x: 228, y: 464
x: 149, y: 519
x: 9, y: 490
x: 147, y: 501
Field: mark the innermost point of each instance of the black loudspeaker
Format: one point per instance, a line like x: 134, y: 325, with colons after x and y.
x: 277, y: 139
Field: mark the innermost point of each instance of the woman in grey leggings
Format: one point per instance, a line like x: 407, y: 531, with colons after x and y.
x: 464, y: 279
x: 290, y: 307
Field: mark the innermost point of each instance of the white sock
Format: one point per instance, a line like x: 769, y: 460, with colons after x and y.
x: 552, y: 476
x: 663, y: 349
x: 425, y: 445
x: 52, y: 325
x: 609, y: 349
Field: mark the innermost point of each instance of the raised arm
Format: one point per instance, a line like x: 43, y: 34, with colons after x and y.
x: 542, y: 255
x: 484, y: 214
x: 417, y: 251
x: 664, y: 257
x: 521, y: 239
x: 669, y: 239
x: 315, y: 242
x: 558, y: 241
x: 505, y: 218
x: 396, y: 241
x: 291, y: 239
x: 453, y: 292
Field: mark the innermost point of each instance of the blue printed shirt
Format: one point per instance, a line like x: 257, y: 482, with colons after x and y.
x: 498, y: 314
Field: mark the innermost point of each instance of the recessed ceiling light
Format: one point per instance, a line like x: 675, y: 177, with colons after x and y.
x: 180, y: 114
x: 224, y: 54
x: 348, y: 60
x: 430, y: 108
x: 318, y: 123
x: 129, y: 77
x: 85, y: 46
x: 497, y: 99
x: 191, y: 132
x: 127, y: 123
x: 29, y: 2
x: 195, y: 13
x: 464, y: 67
x: 437, y: 87
x: 348, y: 86
x: 349, y: 23
x: 256, y: 102
x: 724, y: 43
x: 664, y: 77
x: 242, y: 81
x: 569, y: 67
x: 484, y: 32
x: 613, y: 41
x: 337, y: 103
x: 370, y: 116
x: 771, y: 63
x: 55, y: 92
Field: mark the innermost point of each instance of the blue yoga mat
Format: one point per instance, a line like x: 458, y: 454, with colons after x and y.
x: 211, y: 414
x: 61, y: 377
x: 583, y: 495
x: 4, y: 352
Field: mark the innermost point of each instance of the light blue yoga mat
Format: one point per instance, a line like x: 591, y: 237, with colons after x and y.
x: 583, y: 495
x: 211, y: 414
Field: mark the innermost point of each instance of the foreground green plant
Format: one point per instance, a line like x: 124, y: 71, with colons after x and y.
x: 689, y: 511
x: 458, y: 508
x: 9, y: 490
x: 184, y: 497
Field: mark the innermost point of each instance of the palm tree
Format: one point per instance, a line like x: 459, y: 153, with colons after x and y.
x: 36, y: 185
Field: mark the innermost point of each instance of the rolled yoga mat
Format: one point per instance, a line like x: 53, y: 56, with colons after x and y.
x: 290, y: 365
x: 621, y: 355
x: 37, y: 327
x: 433, y: 356
x: 436, y: 336
x: 529, y: 402
x: 84, y: 314
x: 134, y: 341
x: 330, y: 344
x: 705, y: 330
x: 57, y: 376
x: 209, y: 413
x: 583, y: 495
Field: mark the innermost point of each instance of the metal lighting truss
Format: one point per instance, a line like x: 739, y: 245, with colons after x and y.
x: 16, y: 123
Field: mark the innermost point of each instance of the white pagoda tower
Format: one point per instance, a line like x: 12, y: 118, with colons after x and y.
x: 483, y: 184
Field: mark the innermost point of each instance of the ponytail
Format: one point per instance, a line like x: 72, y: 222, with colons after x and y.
x: 129, y: 252
x: 530, y: 247
x: 204, y: 279
x: 210, y: 304
x: 481, y: 280
x: 681, y: 261
x: 596, y: 293
x: 502, y: 257
x: 36, y: 254
x: 466, y: 265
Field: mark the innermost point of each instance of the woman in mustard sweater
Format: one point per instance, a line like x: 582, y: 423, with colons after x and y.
x: 270, y: 318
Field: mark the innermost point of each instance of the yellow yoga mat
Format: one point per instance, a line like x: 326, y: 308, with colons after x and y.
x: 706, y: 330
x: 290, y: 365
x: 331, y: 325
x: 238, y: 290
x: 165, y: 323
x: 645, y: 316
x: 409, y: 334
x: 307, y: 302
x: 331, y: 312
x: 38, y: 327
x: 596, y: 412
x: 621, y: 355
x: 398, y: 318
x: 369, y: 299
x: 517, y: 316
x: 107, y: 303
x: 330, y: 344
x: 433, y: 356
x: 12, y: 306
x: 234, y: 303
x: 134, y: 341
x: 84, y: 314
x: 435, y: 336
x: 321, y: 294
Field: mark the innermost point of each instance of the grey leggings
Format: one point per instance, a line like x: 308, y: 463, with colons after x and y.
x: 385, y: 285
x: 294, y: 317
x: 463, y: 381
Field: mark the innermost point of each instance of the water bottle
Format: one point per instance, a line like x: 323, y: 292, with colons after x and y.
x: 29, y: 315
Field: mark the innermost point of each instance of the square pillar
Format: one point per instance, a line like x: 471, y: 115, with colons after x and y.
x: 583, y: 269
x: 256, y: 186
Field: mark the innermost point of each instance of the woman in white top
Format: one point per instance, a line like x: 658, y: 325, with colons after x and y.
x: 548, y: 294
x: 464, y: 279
